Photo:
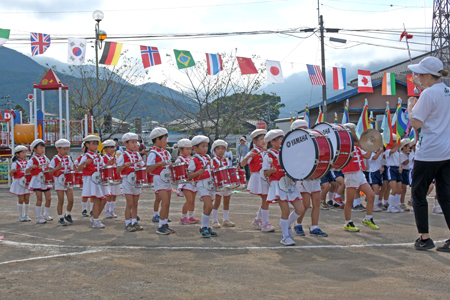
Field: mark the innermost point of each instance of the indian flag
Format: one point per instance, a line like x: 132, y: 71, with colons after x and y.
x: 4, y: 36
x: 388, y: 87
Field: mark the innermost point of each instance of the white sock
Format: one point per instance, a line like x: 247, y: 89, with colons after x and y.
x: 107, y: 207
x: 313, y: 227
x: 183, y: 216
x: 391, y: 200
x: 336, y: 196
x: 127, y: 222
x: 214, y: 214
x: 368, y: 217
x: 155, y: 213
x: 60, y: 216
x: 84, y: 206
x: 259, y: 216
x: 133, y: 221
x: 96, y: 220
x: 330, y: 195
x: 46, y: 211
x: 298, y: 224
x: 20, y: 209
x: 26, y: 208
x: 68, y: 213
x: 284, y: 224
x: 265, y: 215
x: 225, y: 214
x: 349, y: 221
x: 293, y: 217
x: 92, y: 206
x: 376, y: 201
x: 112, y: 205
x: 397, y: 199
x: 358, y: 201
x: 191, y: 214
x: 384, y: 202
x: 38, y: 211
x: 161, y: 223
x: 205, y: 221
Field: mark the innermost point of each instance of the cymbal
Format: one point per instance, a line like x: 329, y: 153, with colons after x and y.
x: 371, y: 140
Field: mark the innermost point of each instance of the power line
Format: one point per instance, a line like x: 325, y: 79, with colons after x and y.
x: 378, y: 4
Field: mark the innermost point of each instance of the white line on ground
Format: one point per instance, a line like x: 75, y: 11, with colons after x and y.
x: 33, y: 236
x: 50, y: 256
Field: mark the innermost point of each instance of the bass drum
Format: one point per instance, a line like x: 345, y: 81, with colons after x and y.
x: 305, y: 154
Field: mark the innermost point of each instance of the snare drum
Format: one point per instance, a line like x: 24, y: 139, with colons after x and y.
x: 78, y: 179
x: 233, y: 176
x: 49, y: 180
x: 117, y: 178
x: 221, y: 179
x: 242, y: 180
x: 109, y: 176
x: 179, y: 173
x: 28, y: 179
x: 141, y: 177
x: 69, y: 179
x: 305, y: 154
x: 150, y: 179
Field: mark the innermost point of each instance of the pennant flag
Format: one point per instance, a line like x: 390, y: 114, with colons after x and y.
x: 405, y: 34
x: 339, y: 79
x: 335, y: 118
x: 184, y: 59
x: 150, y: 56
x: 394, y: 124
x: 363, y: 122
x: 402, y: 123
x: 320, y: 116
x: 292, y: 119
x: 364, y: 82
x: 387, y: 127
x: 345, y: 118
x: 40, y: 42
x: 246, y: 65
x: 77, y: 51
x: 388, y: 86
x: 4, y: 36
x: 315, y: 75
x: 214, y: 62
x: 111, y: 53
x: 306, y: 117
x: 7, y: 116
x: 410, y: 86
x: 274, y: 73
x: 371, y: 121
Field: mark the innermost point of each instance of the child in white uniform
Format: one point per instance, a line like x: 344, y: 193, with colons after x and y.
x: 18, y: 186
x: 109, y: 146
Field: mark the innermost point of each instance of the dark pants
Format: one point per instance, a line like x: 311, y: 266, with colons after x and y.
x: 422, y: 176
x: 247, y: 172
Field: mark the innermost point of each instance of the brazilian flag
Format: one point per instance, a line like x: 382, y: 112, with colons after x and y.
x: 184, y: 59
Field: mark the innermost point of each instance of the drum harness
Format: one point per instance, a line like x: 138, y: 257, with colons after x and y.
x: 40, y: 163
x: 164, y: 158
x: 97, y: 164
x: 284, y: 177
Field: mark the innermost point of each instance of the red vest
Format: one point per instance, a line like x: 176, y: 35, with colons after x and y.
x: 65, y: 161
x: 201, y: 161
x: 256, y: 162
x: 160, y: 155
x: 216, y: 163
x: 107, y: 158
x: 38, y: 160
x: 129, y: 156
x: 357, y: 162
x: 279, y: 173
x: 185, y: 159
x: 21, y: 166
x: 94, y: 166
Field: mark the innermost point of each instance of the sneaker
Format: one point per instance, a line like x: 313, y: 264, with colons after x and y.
x: 437, y: 210
x: 363, y: 207
x: 267, y: 227
x: 138, y: 219
x: 381, y: 206
x: 130, y: 228
x: 22, y: 219
x: 317, y: 232
x: 291, y: 233
x: 40, y: 220
x: 185, y: 221
x: 385, y: 206
x: 168, y: 220
x: 61, y: 222
x: 212, y: 233
x: 138, y: 227
x: 423, y: 245
x: 370, y: 224
x: 324, y: 206
x: 445, y: 247
x: 330, y: 202
x: 358, y: 207
x: 287, y: 241
x: 410, y: 202
x: 68, y: 219
x: 404, y: 207
x: 91, y: 219
x: 91, y: 214
x: 299, y: 230
x: 392, y: 209
x: 163, y: 230
x: 113, y: 215
x: 84, y: 213
x: 377, y: 208
x: 170, y: 229
x: 204, y: 232
x: 108, y: 215
x: 27, y: 218
x: 228, y: 223
x: 98, y: 224
x: 351, y: 227
x: 399, y: 208
x: 216, y: 225
x: 155, y: 219
x: 194, y: 220
x: 48, y: 218
x: 257, y: 224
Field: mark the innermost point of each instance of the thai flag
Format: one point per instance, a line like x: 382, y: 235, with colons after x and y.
x: 339, y: 79
x: 39, y: 43
x: 214, y: 63
x: 150, y: 56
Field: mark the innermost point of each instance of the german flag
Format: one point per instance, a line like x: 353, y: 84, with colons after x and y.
x: 111, y: 53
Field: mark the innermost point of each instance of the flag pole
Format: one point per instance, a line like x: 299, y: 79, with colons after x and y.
x: 416, y: 90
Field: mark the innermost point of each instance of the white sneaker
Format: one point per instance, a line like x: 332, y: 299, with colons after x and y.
x: 113, y: 215
x: 91, y: 219
x: 27, y: 218
x: 411, y: 210
x: 392, y: 209
x: 377, y: 208
x: 98, y: 224
x: 399, y: 208
x: 291, y: 233
x: 437, y: 210
x: 287, y: 241
x: 22, y: 219
x: 216, y: 225
x: 108, y: 214
x: 40, y: 220
x: 48, y: 218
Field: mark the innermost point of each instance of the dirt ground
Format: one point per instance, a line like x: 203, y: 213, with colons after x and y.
x: 74, y: 262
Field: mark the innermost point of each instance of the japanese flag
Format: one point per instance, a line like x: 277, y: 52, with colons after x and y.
x: 274, y: 73
x: 77, y: 51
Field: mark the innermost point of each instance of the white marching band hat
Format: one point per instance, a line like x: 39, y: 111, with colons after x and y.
x: 62, y: 143
x: 218, y: 143
x: 199, y: 139
x: 20, y: 149
x: 350, y: 125
x: 157, y: 132
x: 35, y: 142
x: 274, y: 133
x: 257, y: 132
x: 405, y: 141
x: 91, y: 138
x: 298, y: 124
x: 412, y: 142
x: 183, y: 143
x: 129, y: 136
x: 109, y: 143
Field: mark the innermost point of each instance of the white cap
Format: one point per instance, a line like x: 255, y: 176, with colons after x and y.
x: 428, y: 65
x: 199, y: 139
x: 91, y: 138
x: 350, y: 125
x: 257, y: 132
x: 109, y: 143
x: 62, y: 143
x: 274, y: 133
x: 394, y: 137
x: 157, y: 132
x: 129, y: 136
x: 405, y: 142
x: 20, y: 149
x: 184, y: 143
x: 298, y: 124
x: 412, y: 142
x: 35, y: 142
x: 218, y: 143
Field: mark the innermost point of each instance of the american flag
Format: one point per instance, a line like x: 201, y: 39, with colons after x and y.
x: 315, y: 75
x: 39, y: 43
x: 150, y: 56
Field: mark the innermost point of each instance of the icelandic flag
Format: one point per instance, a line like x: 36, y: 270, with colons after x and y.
x: 306, y: 117
x: 150, y: 56
x: 40, y: 42
x: 214, y: 62
x: 339, y: 79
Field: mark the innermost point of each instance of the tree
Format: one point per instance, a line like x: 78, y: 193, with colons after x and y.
x: 218, y: 105
x: 24, y: 113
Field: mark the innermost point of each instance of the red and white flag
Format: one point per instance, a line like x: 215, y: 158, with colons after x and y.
x: 315, y: 75
x: 274, y: 73
x: 364, y: 82
x: 7, y: 116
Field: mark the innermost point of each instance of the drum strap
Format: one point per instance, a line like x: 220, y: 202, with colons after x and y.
x: 163, y: 158
x: 224, y: 162
x: 203, y: 158
x: 272, y: 152
x: 63, y: 160
x: 41, y: 160
x: 93, y: 160
x: 131, y: 158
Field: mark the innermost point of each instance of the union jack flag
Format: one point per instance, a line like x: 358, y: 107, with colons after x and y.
x: 150, y: 56
x: 39, y: 43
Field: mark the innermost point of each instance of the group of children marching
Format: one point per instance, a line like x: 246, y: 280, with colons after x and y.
x: 369, y: 173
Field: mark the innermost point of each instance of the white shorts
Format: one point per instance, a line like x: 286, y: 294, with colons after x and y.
x: 185, y: 186
x: 276, y: 194
x: 116, y: 190
x: 128, y: 189
x: 257, y: 186
x: 17, y: 189
x: 202, y: 188
x: 159, y: 185
x: 224, y: 193
x: 35, y: 184
x: 354, y: 179
x: 58, y: 186
x: 308, y: 186
x: 106, y: 190
x: 90, y: 189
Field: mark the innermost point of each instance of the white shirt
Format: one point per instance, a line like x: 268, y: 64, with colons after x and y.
x: 411, y: 159
x: 375, y: 164
x: 52, y: 164
x: 392, y: 160
x: 151, y: 160
x: 432, y: 109
x: 121, y: 160
x: 404, y: 157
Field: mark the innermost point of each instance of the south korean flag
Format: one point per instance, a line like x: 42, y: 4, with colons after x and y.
x: 77, y: 51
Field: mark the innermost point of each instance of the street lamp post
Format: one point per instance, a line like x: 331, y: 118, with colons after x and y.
x: 99, y: 37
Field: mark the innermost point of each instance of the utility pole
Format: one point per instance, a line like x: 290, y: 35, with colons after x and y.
x: 440, y: 39
x: 322, y: 50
